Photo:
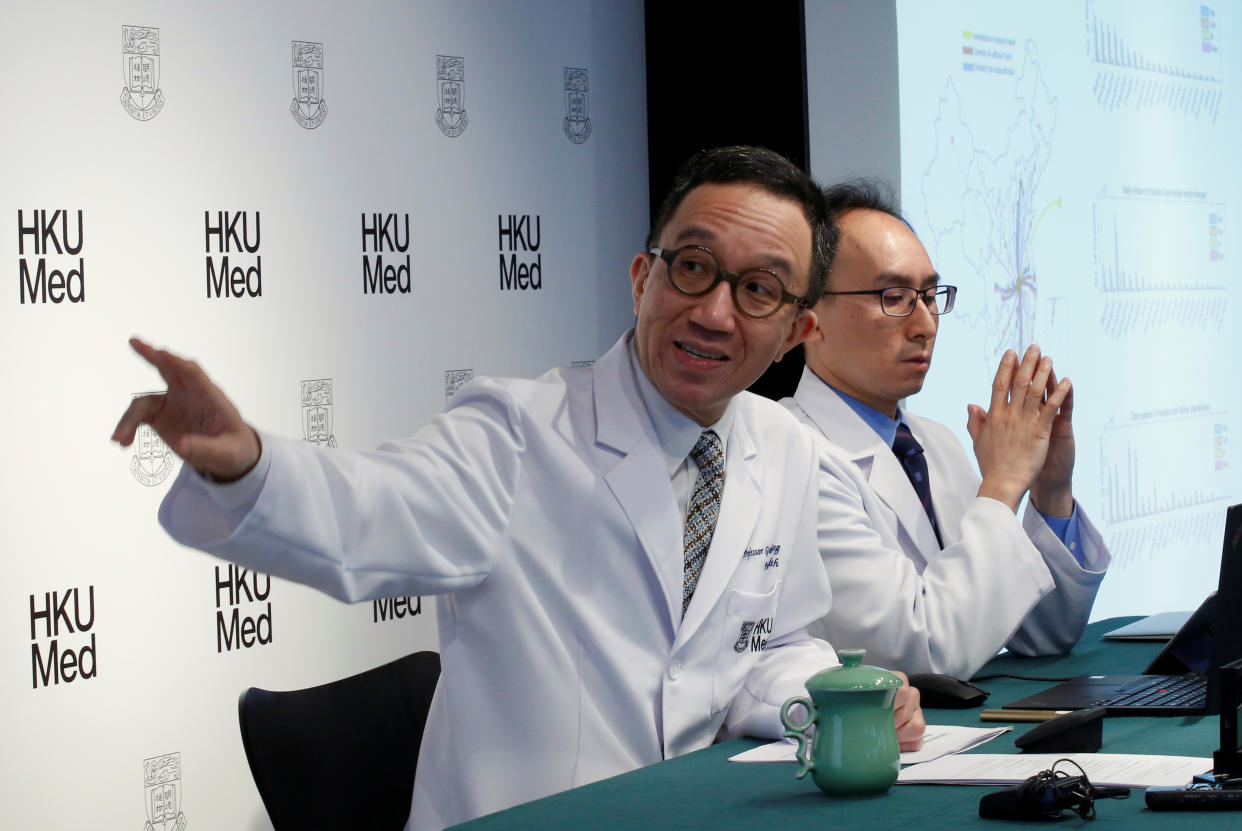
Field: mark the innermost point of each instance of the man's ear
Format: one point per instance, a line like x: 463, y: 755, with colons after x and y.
x: 817, y: 331
x: 640, y: 270
x: 804, y: 326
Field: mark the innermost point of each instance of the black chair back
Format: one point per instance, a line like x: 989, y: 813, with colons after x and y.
x: 343, y: 754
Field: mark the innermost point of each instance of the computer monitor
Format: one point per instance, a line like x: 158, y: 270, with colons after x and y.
x: 1227, y: 632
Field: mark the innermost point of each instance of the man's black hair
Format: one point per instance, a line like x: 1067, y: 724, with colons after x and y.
x: 858, y: 194
x: 866, y: 194
x: 769, y: 171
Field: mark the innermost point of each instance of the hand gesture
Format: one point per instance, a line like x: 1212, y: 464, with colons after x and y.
x: 1012, y: 438
x: 1051, y: 491
x: 193, y: 417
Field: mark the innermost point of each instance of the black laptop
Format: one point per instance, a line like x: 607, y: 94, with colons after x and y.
x: 1184, y: 678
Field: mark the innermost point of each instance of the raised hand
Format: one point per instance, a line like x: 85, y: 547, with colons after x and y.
x: 1051, y: 492
x: 193, y: 417
x: 1012, y: 438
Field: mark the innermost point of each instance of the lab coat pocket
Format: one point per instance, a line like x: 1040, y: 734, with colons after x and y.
x: 748, y: 621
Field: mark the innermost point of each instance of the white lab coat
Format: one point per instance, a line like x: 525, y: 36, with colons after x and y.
x: 916, y: 607
x: 545, y: 512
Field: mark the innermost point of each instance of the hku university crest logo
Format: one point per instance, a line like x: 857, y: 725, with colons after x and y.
x: 577, y: 124
x: 152, y: 460
x: 743, y: 638
x: 317, y: 412
x: 455, y: 379
x: 140, y: 70
x: 451, y: 83
x: 308, y: 107
x: 162, y: 778
x: 753, y: 635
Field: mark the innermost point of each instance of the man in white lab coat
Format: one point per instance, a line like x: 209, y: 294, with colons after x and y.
x: 937, y: 587
x: 549, y: 513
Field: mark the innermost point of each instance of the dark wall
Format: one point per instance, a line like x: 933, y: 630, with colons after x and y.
x: 722, y: 73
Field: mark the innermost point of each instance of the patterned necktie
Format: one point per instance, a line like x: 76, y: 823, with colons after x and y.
x: 910, y: 453
x: 704, y: 507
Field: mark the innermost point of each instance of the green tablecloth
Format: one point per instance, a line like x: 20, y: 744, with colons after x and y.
x: 705, y: 790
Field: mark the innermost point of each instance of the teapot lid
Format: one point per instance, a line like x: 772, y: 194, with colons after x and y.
x: 852, y: 675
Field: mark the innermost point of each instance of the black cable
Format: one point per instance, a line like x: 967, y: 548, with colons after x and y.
x: 1018, y: 677
x: 1046, y: 794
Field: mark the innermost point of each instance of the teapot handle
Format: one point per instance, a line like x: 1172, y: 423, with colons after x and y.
x: 798, y: 731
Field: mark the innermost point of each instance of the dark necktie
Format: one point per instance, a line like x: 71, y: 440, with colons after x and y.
x: 702, y: 512
x: 910, y: 453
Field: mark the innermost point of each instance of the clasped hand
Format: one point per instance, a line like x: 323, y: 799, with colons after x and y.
x: 1025, y: 440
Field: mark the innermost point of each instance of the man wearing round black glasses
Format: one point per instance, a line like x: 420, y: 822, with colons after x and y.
x: 931, y: 569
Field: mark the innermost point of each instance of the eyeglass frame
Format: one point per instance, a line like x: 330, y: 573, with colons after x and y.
x: 919, y: 294
x: 730, y: 277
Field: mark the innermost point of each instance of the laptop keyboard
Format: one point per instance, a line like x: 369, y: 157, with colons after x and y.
x: 1182, y: 691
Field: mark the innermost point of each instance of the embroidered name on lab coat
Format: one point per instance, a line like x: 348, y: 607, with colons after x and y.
x: 769, y: 553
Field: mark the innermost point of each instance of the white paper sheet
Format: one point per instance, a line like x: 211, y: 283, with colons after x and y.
x: 1116, y: 769
x: 938, y: 740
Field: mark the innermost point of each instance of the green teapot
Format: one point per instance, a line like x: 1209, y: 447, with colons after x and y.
x: 853, y: 749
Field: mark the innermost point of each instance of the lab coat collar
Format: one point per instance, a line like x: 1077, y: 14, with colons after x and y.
x: 638, y: 479
x: 620, y: 417
x: 674, y: 431
x: 641, y: 484
x: 845, y: 428
x: 676, y: 434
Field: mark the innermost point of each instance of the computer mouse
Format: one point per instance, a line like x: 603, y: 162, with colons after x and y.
x: 946, y: 692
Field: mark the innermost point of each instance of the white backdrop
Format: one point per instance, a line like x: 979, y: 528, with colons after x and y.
x: 300, y: 122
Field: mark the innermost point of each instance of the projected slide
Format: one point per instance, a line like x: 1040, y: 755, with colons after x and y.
x: 1072, y: 166
x: 981, y: 200
x: 1159, y: 263
x: 1139, y: 65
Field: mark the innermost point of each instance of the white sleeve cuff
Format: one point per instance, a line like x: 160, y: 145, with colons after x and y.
x: 236, y: 499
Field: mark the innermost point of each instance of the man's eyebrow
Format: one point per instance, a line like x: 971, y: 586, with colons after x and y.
x: 888, y: 278
x: 696, y: 235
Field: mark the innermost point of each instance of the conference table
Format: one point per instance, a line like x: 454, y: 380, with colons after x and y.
x: 705, y: 790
